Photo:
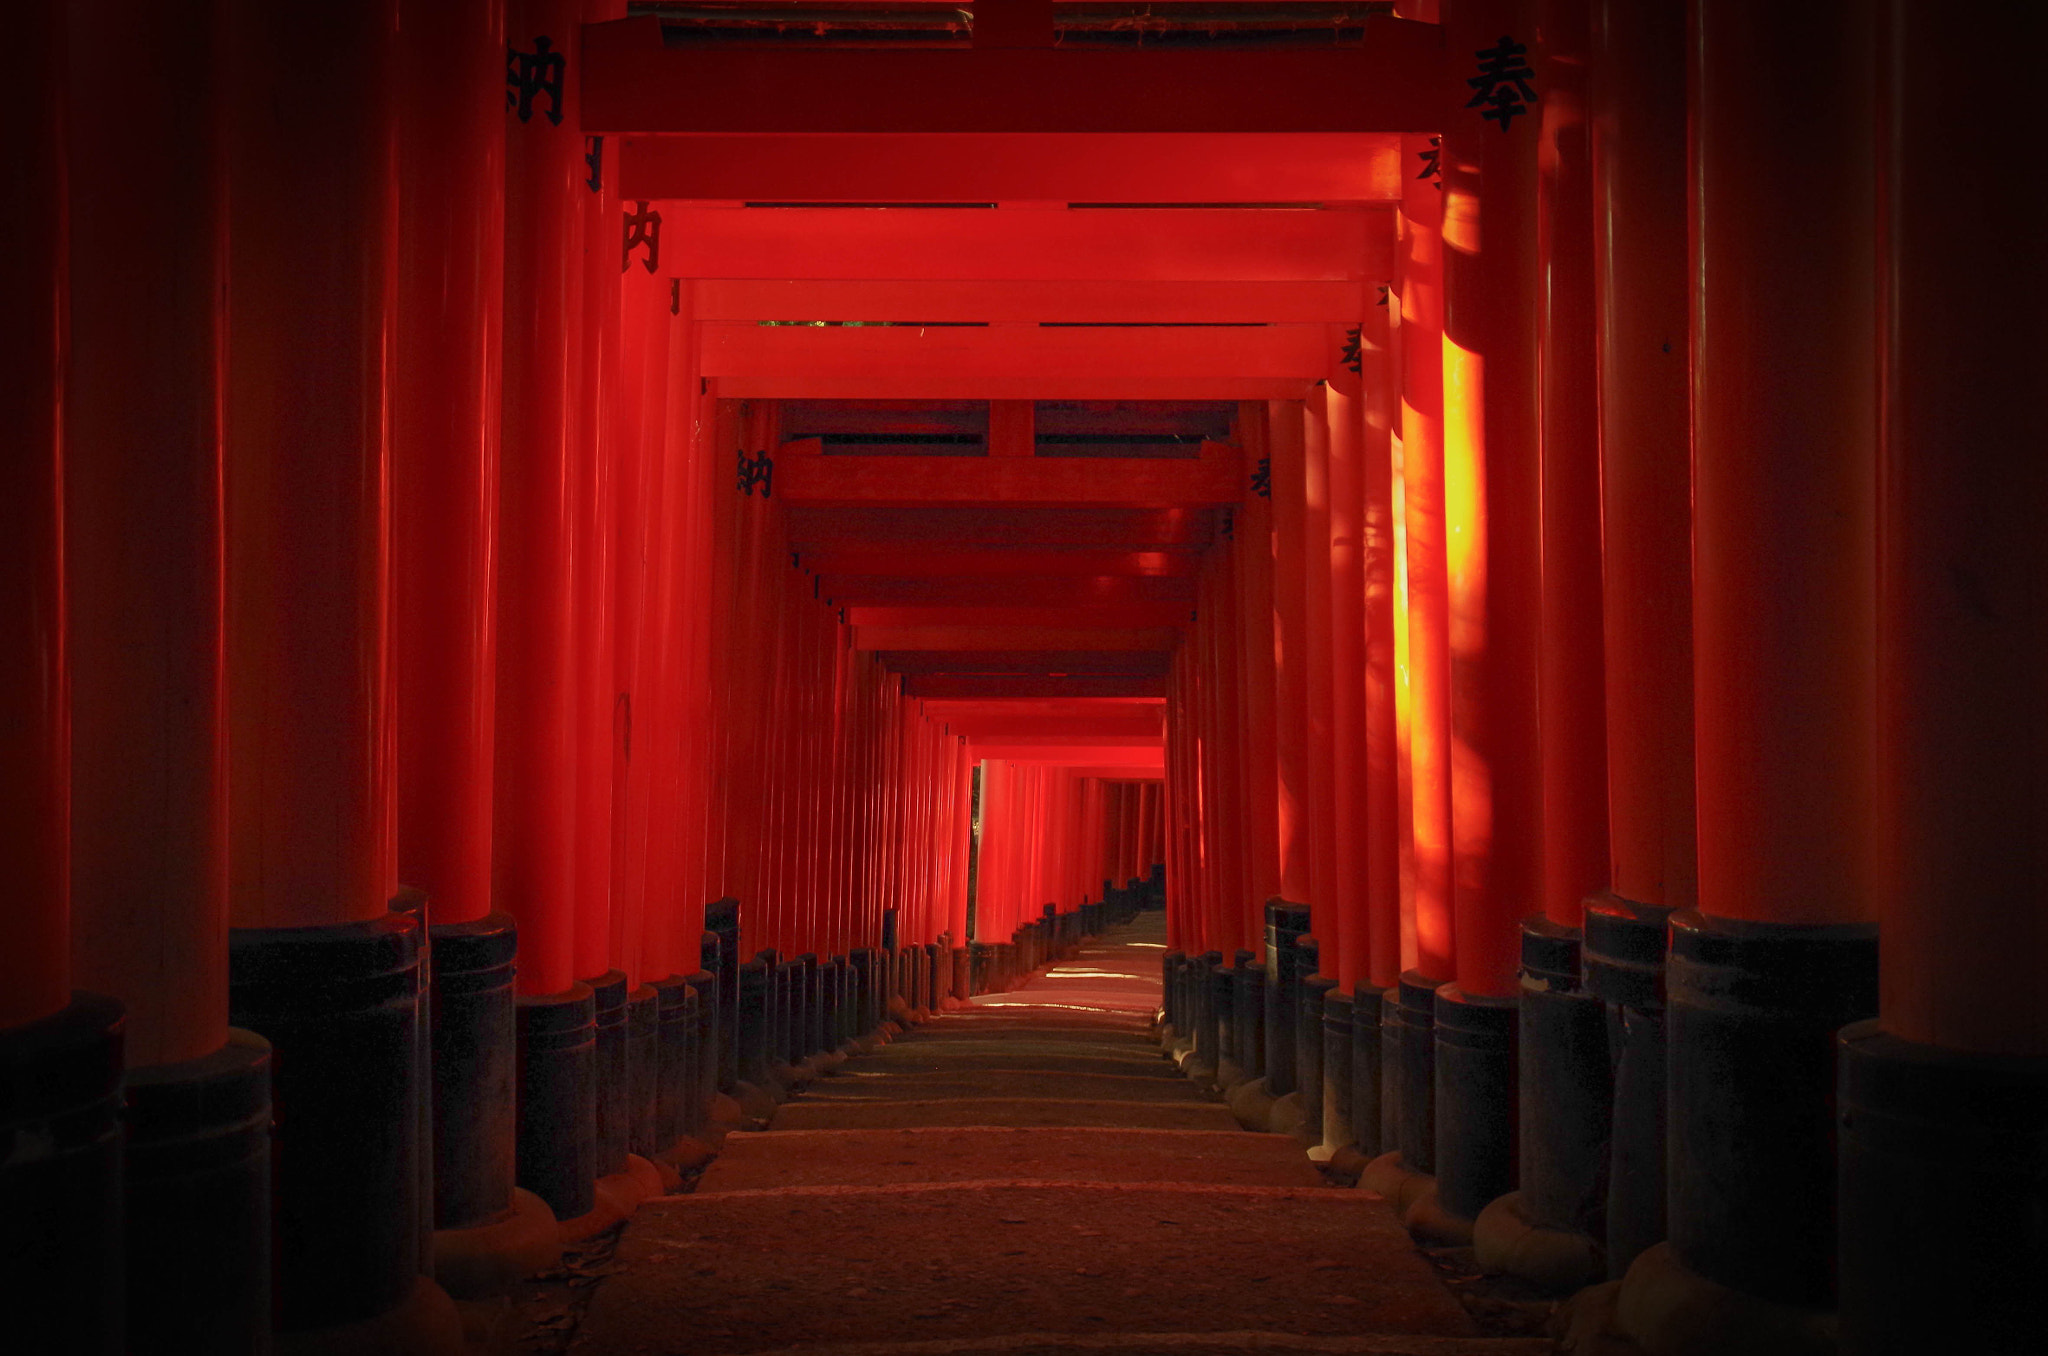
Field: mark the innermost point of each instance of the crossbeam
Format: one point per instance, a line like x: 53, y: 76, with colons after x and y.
x: 1028, y: 663
x: 1001, y: 301
x: 915, y: 385
x: 1394, y: 82
x: 1217, y: 478
x: 811, y: 527
x: 994, y: 638
x: 995, y: 563
x: 1102, y: 755
x: 1139, y: 615
x: 796, y: 356
x: 992, y: 686
x: 881, y: 589
x: 1169, y: 244
x: 1061, y: 167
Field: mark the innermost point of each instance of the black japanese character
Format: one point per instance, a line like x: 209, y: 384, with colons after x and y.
x: 643, y: 227
x: 1262, y: 479
x: 1353, y: 356
x: 537, y: 72
x: 1433, y: 161
x: 1502, y: 82
x: 754, y: 471
x: 593, y: 156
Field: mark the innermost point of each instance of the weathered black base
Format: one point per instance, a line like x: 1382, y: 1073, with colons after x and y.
x: 1338, y: 1062
x: 1285, y: 923
x: 1753, y: 1013
x: 700, y: 1064
x: 1248, y: 994
x: 722, y: 926
x: 1567, y: 1088
x: 1308, y: 1050
x: 198, y: 1196
x: 1475, y: 1100
x: 474, y: 1065
x: 60, y: 1180
x: 558, y: 1099
x: 643, y: 1067
x: 1623, y: 964
x: 339, y: 1006
x: 1368, y: 1073
x: 754, y: 1023
x: 1944, y: 1197
x: 1409, y: 1027
x: 614, y: 1087
x: 674, y: 1036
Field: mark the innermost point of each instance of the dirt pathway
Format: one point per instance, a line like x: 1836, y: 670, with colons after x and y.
x: 1027, y: 1176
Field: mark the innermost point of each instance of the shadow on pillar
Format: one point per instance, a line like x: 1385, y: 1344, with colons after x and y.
x: 61, y: 1248
x: 1368, y: 1072
x: 1623, y: 963
x: 722, y: 920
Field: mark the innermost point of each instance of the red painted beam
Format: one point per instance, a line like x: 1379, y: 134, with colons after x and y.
x: 1099, y: 755
x: 1140, y: 725
x: 982, y: 687
x: 1080, y: 708
x: 1394, y: 82
x: 1027, y: 167
x: 996, y: 562
x: 1216, y: 478
x: 880, y: 589
x: 819, y: 527
x: 1012, y: 638
x: 1168, y: 244
x: 796, y: 356
x: 1126, y: 615
x: 999, y: 300
x: 918, y: 385
x: 1028, y: 663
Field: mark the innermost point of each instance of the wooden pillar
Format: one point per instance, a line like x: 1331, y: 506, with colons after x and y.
x: 1959, y: 1056
x: 1492, y: 409
x: 1640, y: 257
x: 1286, y: 473
x: 1318, y: 679
x: 1347, y: 629
x: 1784, y: 491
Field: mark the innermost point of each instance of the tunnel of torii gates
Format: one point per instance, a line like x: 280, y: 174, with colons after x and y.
x: 736, y: 542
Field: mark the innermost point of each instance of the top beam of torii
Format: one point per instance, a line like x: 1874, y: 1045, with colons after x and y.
x: 1395, y: 81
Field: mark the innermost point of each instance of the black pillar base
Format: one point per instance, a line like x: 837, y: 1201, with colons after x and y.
x: 722, y: 921
x: 1368, y: 1072
x: 1412, y: 1061
x: 1308, y: 1039
x: 1753, y: 1013
x: 754, y: 1023
x: 1248, y: 993
x: 1567, y: 1087
x: 1223, y: 1002
x: 612, y: 1080
x: 1944, y: 1196
x: 1201, y: 986
x: 339, y: 1006
x: 198, y: 1199
x: 558, y: 1099
x: 475, y: 1061
x: 60, y: 1180
x: 700, y: 1063
x: 1338, y: 1101
x: 643, y: 1068
x: 866, y: 989
x: 674, y: 1034
x: 1284, y: 923
x: 1475, y: 1100
x: 1623, y: 963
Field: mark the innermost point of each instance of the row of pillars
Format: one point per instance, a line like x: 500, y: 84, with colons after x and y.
x: 401, y: 691
x: 1676, y: 647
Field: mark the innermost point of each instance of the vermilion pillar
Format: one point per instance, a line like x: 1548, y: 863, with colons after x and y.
x: 534, y: 821
x: 1285, y: 480
x: 1564, y: 1080
x: 1492, y: 490
x: 1941, y: 1100
x: 145, y: 597
x: 311, y: 326
x: 1251, y: 524
x: 1639, y: 184
x: 1317, y: 680
x: 1779, y: 953
x: 64, y: 1250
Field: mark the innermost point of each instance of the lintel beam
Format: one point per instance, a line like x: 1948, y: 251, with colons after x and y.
x: 1028, y: 663
x: 1012, y: 638
x: 886, y: 590
x: 1168, y: 244
x: 632, y: 83
x: 917, y: 385
x: 811, y: 527
x: 1101, y: 755
x: 1103, y: 482
x: 1062, y: 167
x: 988, y: 686
x: 797, y: 355
x: 1008, y: 301
x: 905, y: 562
x: 1126, y: 615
